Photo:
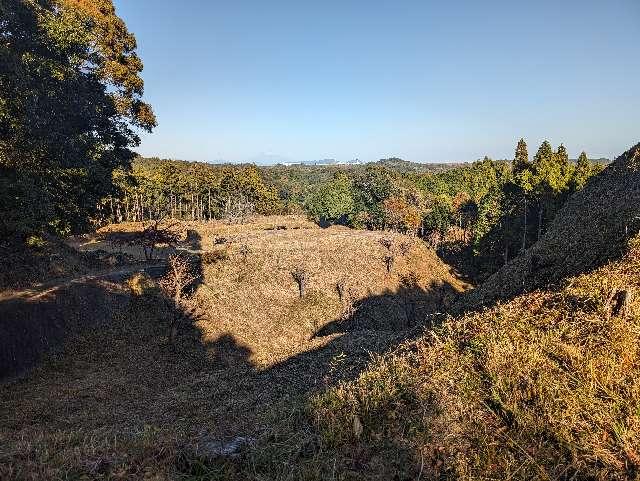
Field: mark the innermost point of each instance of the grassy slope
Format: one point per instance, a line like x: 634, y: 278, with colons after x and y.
x: 542, y: 386
x: 256, y: 299
x: 546, y: 386
x: 45, y: 259
x: 118, y: 403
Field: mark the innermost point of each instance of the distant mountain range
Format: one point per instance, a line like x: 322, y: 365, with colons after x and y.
x: 395, y: 163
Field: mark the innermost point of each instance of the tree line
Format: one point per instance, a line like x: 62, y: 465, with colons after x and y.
x: 71, y: 102
x: 154, y: 189
x: 478, y: 216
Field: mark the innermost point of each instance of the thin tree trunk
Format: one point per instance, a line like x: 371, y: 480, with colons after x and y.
x: 540, y: 217
x: 524, y: 231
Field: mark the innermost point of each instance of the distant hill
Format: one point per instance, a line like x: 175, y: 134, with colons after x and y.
x: 405, y: 166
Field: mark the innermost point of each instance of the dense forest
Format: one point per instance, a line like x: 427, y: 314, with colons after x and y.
x: 478, y: 215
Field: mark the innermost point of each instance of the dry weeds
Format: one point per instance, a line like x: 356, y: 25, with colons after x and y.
x: 119, y: 403
x: 546, y: 386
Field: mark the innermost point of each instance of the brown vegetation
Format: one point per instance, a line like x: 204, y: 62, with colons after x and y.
x: 128, y: 406
x: 542, y: 387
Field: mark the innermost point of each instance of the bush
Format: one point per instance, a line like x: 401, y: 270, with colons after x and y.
x: 141, y: 285
x: 215, y: 256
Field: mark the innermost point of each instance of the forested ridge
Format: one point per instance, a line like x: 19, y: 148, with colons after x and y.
x: 478, y: 215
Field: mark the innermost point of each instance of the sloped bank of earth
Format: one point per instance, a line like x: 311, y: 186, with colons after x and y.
x: 592, y: 228
x: 545, y: 386
x: 120, y: 403
x: 348, y: 287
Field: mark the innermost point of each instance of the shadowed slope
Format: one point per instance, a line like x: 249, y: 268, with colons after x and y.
x: 592, y: 228
x: 128, y: 405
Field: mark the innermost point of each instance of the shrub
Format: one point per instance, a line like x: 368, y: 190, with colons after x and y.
x: 141, y: 285
x: 153, y: 236
x: 300, y: 276
x: 215, y: 256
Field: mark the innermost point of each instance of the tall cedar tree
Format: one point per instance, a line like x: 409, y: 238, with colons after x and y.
x: 521, y: 159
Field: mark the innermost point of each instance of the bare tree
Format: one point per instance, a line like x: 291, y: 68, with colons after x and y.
x: 388, y: 262
x: 153, y: 236
x: 341, y: 285
x: 178, y: 278
x: 301, y: 277
x: 387, y: 243
x: 238, y: 209
x: 405, y: 247
x: 244, y: 252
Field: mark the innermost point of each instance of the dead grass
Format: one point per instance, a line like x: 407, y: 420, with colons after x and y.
x: 256, y: 298
x: 546, y: 386
x: 119, y: 403
x: 42, y: 260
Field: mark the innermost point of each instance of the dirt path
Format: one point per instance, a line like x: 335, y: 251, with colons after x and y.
x: 115, y: 274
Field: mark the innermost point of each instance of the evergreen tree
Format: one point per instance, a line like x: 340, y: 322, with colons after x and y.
x: 521, y: 159
x: 562, y: 155
x: 566, y: 169
x: 550, y: 182
x: 544, y: 155
x: 332, y: 203
x: 584, y: 170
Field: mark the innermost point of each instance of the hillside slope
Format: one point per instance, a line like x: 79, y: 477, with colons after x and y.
x: 545, y: 386
x: 254, y: 296
x: 128, y: 405
x: 592, y: 228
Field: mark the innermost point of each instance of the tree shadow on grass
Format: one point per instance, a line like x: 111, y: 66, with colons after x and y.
x: 122, y: 376
x: 36, y: 321
x: 409, y: 307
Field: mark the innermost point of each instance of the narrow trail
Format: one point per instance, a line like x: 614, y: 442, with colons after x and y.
x: 116, y: 274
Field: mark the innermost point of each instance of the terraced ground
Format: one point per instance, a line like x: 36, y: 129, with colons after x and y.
x: 116, y: 399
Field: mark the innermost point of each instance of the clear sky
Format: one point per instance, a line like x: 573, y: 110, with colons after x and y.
x: 425, y: 80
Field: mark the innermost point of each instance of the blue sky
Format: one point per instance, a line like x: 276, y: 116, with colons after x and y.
x: 423, y: 80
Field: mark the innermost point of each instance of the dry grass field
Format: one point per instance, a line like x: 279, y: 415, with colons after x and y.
x: 119, y: 402
x: 363, y: 377
x: 545, y: 386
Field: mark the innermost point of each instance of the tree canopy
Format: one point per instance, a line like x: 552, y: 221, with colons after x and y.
x: 70, y: 104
